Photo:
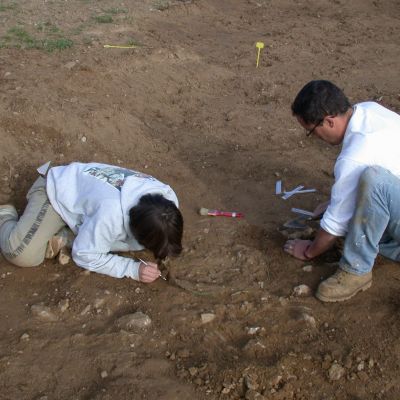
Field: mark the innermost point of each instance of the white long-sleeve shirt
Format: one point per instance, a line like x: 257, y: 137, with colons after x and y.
x: 94, y: 201
x: 372, y: 137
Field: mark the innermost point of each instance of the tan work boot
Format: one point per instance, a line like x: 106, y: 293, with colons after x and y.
x: 342, y: 286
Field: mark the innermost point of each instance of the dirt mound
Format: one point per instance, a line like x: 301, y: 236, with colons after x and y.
x: 187, y: 104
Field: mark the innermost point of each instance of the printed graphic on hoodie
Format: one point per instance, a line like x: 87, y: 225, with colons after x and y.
x: 115, y: 176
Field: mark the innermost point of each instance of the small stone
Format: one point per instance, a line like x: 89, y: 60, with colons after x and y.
x: 83, y: 139
x: 134, y: 321
x: 225, y: 390
x: 252, y: 330
x: 309, y: 319
x: 370, y: 363
x: 274, y: 382
x: 7, y: 74
x: 360, y: 366
x: 251, y: 382
x: 104, y: 374
x: 63, y: 305
x: 193, y: 371
x: 98, y: 303
x: 283, y: 301
x: 24, y: 337
x: 70, y: 65
x: 308, y: 268
x: 301, y: 290
x: 43, y: 312
x: 86, y: 310
x: 207, y: 317
x: 336, y: 372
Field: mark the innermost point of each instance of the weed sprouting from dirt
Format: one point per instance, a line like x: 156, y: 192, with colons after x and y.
x: 134, y: 42
x: 57, y: 44
x: 104, y: 19
x: 161, y: 5
x: 7, y: 7
x: 18, y: 37
x: 116, y: 11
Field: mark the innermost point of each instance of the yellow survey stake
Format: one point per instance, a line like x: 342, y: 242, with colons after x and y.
x: 111, y: 46
x: 259, y: 45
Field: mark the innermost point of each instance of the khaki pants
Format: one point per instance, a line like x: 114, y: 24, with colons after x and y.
x: 23, y: 242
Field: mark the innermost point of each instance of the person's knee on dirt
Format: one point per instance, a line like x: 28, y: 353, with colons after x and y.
x: 369, y: 136
x: 157, y: 225
x: 23, y: 240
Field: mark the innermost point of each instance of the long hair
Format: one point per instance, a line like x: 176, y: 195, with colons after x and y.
x: 157, y: 224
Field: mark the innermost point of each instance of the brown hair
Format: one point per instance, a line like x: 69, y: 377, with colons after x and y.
x: 157, y: 224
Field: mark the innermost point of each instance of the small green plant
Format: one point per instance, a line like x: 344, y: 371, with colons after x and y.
x: 161, y: 5
x: 104, y: 19
x: 6, y: 7
x: 19, y: 38
x: 116, y: 11
x: 47, y: 27
x: 134, y: 42
x: 57, y: 44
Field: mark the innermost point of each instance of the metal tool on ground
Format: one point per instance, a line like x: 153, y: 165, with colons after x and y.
x: 302, y: 212
x: 286, y: 194
x: 218, y: 213
x: 278, y: 187
x: 145, y: 263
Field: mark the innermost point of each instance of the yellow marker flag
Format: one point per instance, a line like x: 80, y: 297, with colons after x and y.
x: 110, y: 46
x: 259, y: 45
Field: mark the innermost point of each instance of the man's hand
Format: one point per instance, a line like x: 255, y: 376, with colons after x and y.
x: 148, y: 273
x: 297, y: 247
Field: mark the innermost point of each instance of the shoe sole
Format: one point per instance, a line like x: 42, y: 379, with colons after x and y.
x: 337, y: 299
x: 54, y: 246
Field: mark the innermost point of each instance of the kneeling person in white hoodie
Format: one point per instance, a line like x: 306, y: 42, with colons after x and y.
x: 108, y: 209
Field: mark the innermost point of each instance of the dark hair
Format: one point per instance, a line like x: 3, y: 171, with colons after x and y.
x: 318, y: 99
x: 157, y: 224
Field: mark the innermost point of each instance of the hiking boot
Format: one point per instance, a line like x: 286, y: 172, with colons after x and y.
x: 7, y: 213
x: 342, y: 286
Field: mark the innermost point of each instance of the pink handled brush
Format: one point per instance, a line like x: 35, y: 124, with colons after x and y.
x: 217, y: 213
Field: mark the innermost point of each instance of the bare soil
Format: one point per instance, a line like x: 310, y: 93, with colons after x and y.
x: 188, y: 105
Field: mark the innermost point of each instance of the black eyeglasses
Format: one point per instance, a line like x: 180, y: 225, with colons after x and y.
x: 311, y: 131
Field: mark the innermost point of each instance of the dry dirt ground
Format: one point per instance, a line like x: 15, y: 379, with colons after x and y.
x: 188, y: 105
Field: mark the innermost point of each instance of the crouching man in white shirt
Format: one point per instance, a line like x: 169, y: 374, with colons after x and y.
x: 365, y: 198
x: 108, y: 209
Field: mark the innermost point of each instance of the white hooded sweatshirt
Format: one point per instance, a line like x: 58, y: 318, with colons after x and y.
x: 94, y: 201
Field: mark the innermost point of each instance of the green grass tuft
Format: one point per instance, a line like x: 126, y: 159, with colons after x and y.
x: 161, y: 5
x: 56, y: 44
x: 115, y: 11
x: 7, y: 7
x: 104, y: 19
x: 18, y: 37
